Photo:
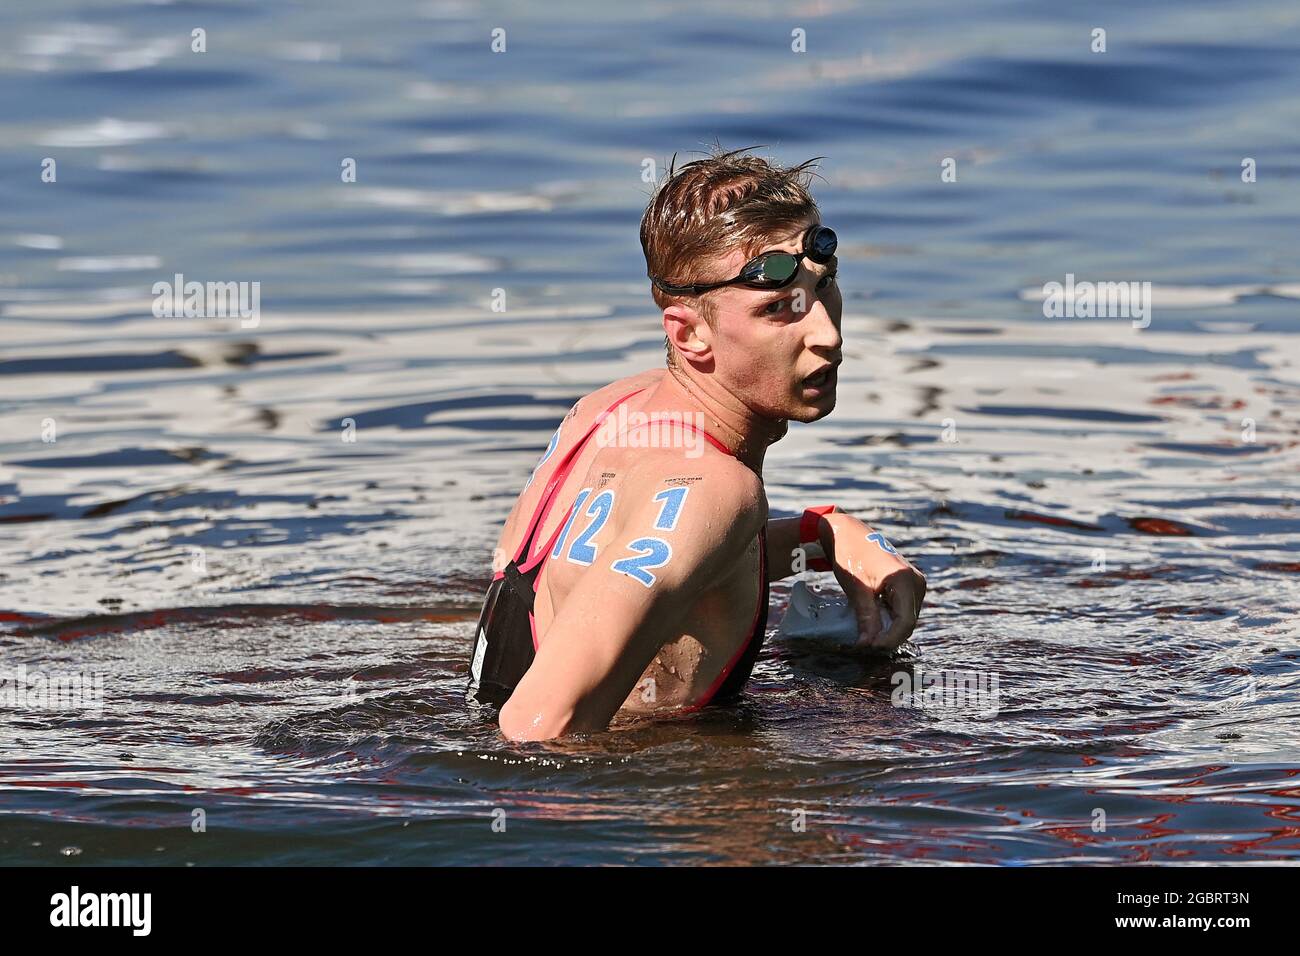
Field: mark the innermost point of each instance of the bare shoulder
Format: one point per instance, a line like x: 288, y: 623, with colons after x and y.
x: 593, y: 403
x: 728, y: 486
x: 704, y: 511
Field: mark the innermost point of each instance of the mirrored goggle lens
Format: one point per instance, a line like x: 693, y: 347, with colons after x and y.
x: 776, y: 268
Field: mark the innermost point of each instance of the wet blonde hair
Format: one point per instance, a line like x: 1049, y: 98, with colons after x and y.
x: 713, y: 206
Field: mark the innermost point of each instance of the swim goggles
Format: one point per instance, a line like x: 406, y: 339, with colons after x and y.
x: 768, y: 270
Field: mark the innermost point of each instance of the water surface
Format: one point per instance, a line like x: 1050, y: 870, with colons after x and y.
x: 281, y: 618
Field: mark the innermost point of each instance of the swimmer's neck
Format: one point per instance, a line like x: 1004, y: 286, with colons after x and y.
x: 728, y: 419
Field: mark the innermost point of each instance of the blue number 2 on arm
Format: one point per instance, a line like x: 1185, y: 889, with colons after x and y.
x: 653, y: 553
x: 580, y: 552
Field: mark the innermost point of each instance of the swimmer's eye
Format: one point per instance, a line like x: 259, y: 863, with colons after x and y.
x: 778, y: 307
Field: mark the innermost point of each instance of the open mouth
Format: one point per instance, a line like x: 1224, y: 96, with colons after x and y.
x: 821, y: 379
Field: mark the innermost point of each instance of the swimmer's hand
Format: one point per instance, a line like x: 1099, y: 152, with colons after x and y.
x: 871, y: 571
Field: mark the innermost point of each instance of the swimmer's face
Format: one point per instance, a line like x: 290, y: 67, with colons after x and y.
x: 778, y: 350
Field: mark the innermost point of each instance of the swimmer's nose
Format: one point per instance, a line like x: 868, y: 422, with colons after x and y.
x: 823, y: 332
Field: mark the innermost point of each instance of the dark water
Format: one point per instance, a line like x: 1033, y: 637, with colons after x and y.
x: 281, y: 618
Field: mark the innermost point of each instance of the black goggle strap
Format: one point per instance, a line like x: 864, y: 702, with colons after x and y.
x: 684, y: 289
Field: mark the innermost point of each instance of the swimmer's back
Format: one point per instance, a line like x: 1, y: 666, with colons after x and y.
x: 651, y: 559
x: 570, y: 431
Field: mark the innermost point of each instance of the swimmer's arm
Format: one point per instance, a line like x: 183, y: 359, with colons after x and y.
x: 782, y: 546
x: 866, y: 566
x: 612, y: 624
x: 837, y: 532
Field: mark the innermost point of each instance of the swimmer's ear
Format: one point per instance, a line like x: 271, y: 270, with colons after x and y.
x: 688, y: 332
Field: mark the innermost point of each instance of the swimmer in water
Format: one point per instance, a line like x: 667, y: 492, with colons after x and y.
x: 641, y: 548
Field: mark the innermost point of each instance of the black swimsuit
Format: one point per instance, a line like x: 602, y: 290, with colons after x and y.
x: 505, y: 641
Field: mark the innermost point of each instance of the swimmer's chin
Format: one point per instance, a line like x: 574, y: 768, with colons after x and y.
x: 814, y: 413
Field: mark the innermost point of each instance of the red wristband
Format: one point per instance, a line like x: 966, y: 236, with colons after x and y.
x: 808, y: 523
x: 808, y: 533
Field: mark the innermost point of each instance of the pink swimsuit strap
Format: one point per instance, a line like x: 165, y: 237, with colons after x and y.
x: 547, y: 500
x: 694, y: 428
